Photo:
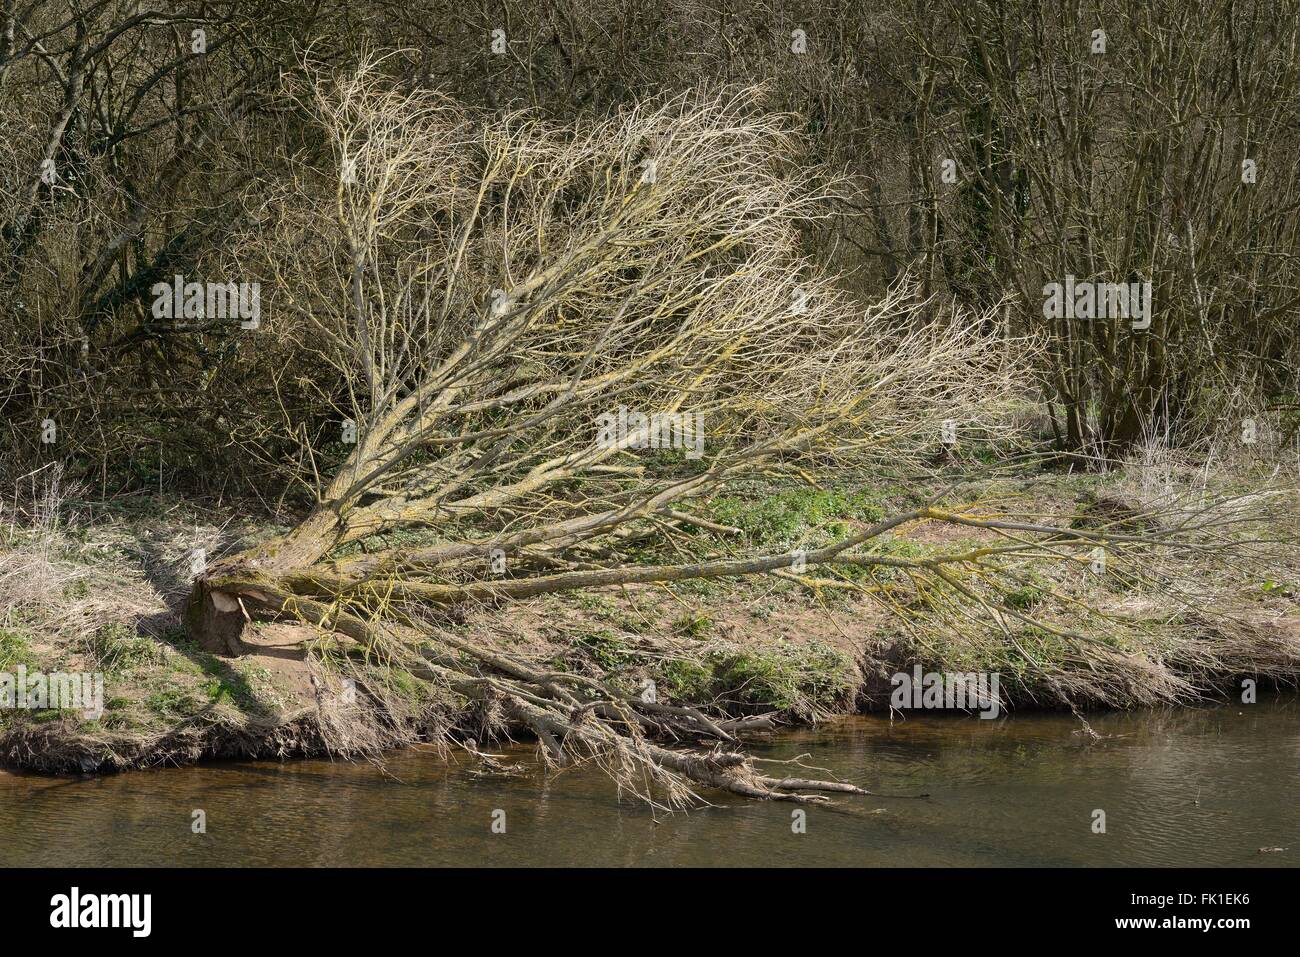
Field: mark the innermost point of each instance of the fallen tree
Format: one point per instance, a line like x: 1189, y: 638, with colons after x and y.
x: 543, y: 344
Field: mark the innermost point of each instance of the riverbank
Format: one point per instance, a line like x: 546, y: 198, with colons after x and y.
x: 93, y: 589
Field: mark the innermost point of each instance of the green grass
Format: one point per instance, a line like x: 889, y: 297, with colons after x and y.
x: 803, y: 678
x: 405, y: 685
x: 1029, y: 595
x: 15, y: 650
x: 796, y: 517
x: 605, y: 648
x: 173, y: 704
x: 116, y: 649
x: 693, y: 625
x: 687, y: 679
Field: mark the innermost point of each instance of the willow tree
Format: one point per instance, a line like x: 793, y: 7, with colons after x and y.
x: 478, y: 295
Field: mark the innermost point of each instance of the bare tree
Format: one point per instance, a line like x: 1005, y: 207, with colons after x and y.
x: 490, y: 291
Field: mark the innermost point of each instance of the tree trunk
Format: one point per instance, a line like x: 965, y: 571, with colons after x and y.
x: 224, y: 597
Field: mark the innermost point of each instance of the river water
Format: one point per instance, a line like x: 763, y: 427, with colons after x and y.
x: 1178, y: 787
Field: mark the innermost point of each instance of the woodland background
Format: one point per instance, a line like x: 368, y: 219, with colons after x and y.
x: 1119, y: 166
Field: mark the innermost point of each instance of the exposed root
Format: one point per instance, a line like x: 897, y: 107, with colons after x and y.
x: 577, y: 718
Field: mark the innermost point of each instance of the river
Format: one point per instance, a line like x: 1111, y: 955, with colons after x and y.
x: 1192, y: 787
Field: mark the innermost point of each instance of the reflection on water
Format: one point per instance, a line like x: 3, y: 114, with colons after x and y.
x: 1179, y: 787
